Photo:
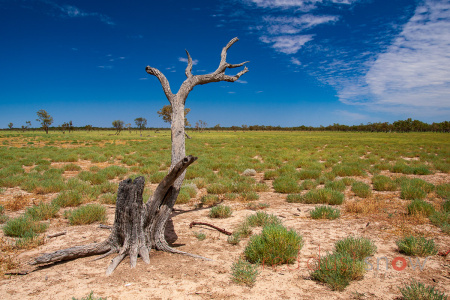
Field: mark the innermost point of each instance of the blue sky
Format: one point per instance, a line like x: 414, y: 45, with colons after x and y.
x: 312, y: 62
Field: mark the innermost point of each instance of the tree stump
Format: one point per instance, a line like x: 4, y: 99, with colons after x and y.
x: 137, y: 228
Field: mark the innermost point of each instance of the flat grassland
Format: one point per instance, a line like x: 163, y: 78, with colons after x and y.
x: 373, y: 179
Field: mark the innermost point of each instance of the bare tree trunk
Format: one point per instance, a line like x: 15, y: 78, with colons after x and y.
x: 137, y: 227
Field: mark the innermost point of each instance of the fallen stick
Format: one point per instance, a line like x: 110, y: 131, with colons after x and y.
x: 212, y: 226
x: 442, y: 253
x: 56, y: 234
x: 104, y: 226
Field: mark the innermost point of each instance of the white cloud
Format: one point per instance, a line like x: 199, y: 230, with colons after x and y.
x: 303, y: 5
x: 295, y: 61
x: 106, y: 67
x: 414, y: 72
x: 74, y: 12
x: 241, y: 81
x: 292, y: 25
x: 287, y: 44
x: 185, y: 60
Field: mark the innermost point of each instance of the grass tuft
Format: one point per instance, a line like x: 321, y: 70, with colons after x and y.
x: 243, y: 272
x: 418, y: 291
x: 417, y: 246
x: 220, y: 211
x: 87, y: 214
x: 325, y: 212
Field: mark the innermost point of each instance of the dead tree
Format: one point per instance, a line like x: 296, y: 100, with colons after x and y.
x: 138, y: 227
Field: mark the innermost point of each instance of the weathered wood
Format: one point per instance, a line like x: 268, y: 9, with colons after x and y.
x: 137, y: 227
x: 56, y: 234
x: 212, y: 226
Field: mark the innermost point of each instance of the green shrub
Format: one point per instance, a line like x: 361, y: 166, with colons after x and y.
x: 351, y: 169
x: 275, y: 245
x: 261, y: 187
x: 383, y: 183
x: 348, y: 181
x: 325, y: 212
x: 270, y: 175
x: 200, y: 235
x: 443, y: 191
x: 336, y: 185
x: 108, y: 198
x: 87, y: 214
x: 442, y: 220
x: 308, y: 184
x: 420, y: 208
x: 446, y: 206
x: 234, y: 239
x: 337, y: 270
x: 220, y: 211
x: 243, y: 272
x: 243, y: 230
x: 415, y: 189
x: 309, y: 174
x: 257, y: 206
x: 23, y: 226
x: 418, y: 291
x: 262, y: 219
x: 157, y: 177
x: 321, y: 196
x: 68, y: 198
x: 285, y: 184
x: 361, y: 189
x: 402, y: 168
x: 417, y: 246
x: 42, y: 211
x: 356, y: 248
x: 249, y: 196
x: 209, y: 200
x: 217, y: 188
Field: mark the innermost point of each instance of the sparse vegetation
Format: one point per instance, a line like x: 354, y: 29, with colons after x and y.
x: 416, y: 246
x: 418, y: 291
x: 275, y: 245
x: 243, y: 272
x: 220, y: 211
x: 361, y: 189
x: 325, y: 212
x: 87, y: 214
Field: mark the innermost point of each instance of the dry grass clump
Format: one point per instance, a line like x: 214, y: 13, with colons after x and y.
x: 17, y: 203
x: 365, y: 206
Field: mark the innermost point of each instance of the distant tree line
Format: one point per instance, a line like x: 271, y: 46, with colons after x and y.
x: 407, y: 125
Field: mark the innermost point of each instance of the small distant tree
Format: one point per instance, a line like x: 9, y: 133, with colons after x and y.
x: 118, y: 125
x: 88, y: 128
x: 45, y: 119
x: 65, y: 126
x: 244, y: 127
x: 166, y: 114
x: 200, y: 125
x: 10, y: 125
x: 70, y: 126
x: 28, y: 124
x: 140, y: 123
x: 217, y: 127
x: 128, y: 127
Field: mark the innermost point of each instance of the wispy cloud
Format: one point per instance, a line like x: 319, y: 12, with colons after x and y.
x: 71, y: 11
x: 293, y: 25
x: 414, y: 72
x: 303, y: 5
x: 287, y: 44
x: 241, y: 81
x: 185, y: 60
x: 106, y: 67
x: 295, y: 61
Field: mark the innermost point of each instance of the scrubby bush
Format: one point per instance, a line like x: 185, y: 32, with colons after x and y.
x: 325, y: 212
x: 262, y: 219
x: 357, y: 248
x: 418, y: 291
x: 420, y: 208
x: 286, y: 185
x: 220, y: 211
x: 243, y: 272
x: 361, y: 189
x: 23, y: 226
x: 42, y: 211
x: 87, y: 214
x: 337, y: 185
x: 417, y: 246
x: 415, y: 189
x: 321, y: 196
x: 275, y: 245
x: 383, y: 183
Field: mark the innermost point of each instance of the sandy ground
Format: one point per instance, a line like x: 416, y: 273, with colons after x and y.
x: 172, y: 276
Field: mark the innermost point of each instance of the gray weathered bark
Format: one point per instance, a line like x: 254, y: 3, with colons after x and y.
x: 137, y: 227
x: 178, y: 101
